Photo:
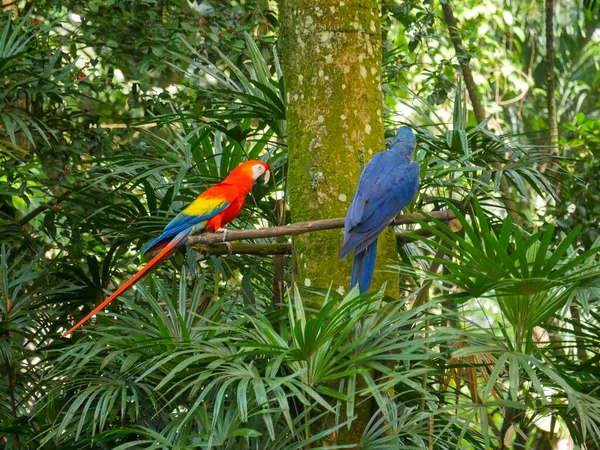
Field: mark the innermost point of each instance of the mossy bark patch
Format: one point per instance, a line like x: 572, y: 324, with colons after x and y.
x: 332, y: 67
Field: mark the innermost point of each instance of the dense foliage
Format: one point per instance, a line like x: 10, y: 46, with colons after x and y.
x: 115, y: 114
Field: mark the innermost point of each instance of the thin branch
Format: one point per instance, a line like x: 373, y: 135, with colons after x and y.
x: 42, y: 208
x: 423, y: 294
x: 463, y: 60
x: 478, y: 108
x: 404, y: 238
x: 301, y: 228
x: 550, y: 98
x: 516, y: 99
x: 123, y: 125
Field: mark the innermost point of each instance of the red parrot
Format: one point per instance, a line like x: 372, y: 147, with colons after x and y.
x: 211, y: 211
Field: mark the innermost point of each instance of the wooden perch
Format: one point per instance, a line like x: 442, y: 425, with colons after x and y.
x: 213, y: 243
x: 241, y: 248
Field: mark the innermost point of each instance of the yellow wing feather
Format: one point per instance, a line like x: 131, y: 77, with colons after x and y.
x: 202, y: 206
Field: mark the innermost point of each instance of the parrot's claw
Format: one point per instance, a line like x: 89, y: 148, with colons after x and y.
x: 227, y: 244
x: 224, y: 231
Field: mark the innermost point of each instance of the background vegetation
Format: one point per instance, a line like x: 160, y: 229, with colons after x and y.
x: 115, y: 114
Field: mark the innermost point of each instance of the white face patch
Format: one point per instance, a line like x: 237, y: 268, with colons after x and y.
x: 259, y: 170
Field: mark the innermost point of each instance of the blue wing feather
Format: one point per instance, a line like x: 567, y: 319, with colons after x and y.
x: 357, y: 208
x: 181, y: 222
x: 380, y: 196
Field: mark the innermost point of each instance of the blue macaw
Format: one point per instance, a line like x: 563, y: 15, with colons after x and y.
x: 387, y: 184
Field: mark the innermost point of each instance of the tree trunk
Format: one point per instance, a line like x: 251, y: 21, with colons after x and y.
x: 332, y: 67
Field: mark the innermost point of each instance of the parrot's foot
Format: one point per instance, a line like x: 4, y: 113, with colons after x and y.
x: 222, y: 230
x: 227, y: 244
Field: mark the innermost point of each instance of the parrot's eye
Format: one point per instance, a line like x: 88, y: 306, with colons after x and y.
x: 260, y: 173
x: 257, y: 171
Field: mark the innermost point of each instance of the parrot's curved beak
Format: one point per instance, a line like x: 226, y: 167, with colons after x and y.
x: 264, y: 178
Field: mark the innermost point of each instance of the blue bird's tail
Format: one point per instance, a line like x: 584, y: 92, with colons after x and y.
x: 363, y: 267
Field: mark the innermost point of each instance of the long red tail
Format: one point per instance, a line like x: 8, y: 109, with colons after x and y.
x: 167, y: 251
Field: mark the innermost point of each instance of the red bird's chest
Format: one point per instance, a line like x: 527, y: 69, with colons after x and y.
x: 227, y: 215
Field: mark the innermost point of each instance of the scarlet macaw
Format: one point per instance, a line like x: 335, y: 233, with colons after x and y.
x: 211, y: 211
x: 387, y: 184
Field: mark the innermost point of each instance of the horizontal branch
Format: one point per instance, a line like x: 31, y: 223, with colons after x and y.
x: 405, y: 238
x: 301, y: 228
x: 241, y: 248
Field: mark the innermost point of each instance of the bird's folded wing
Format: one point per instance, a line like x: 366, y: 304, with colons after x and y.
x: 383, y: 190
x: 208, y: 204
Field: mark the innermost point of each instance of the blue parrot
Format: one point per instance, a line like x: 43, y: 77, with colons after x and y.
x: 387, y: 184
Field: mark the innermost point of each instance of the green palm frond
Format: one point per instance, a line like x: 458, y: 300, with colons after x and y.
x: 532, y: 277
x: 236, y: 96
x: 461, y: 162
x: 173, y: 359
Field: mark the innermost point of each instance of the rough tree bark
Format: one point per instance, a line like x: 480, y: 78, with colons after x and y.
x: 332, y: 65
